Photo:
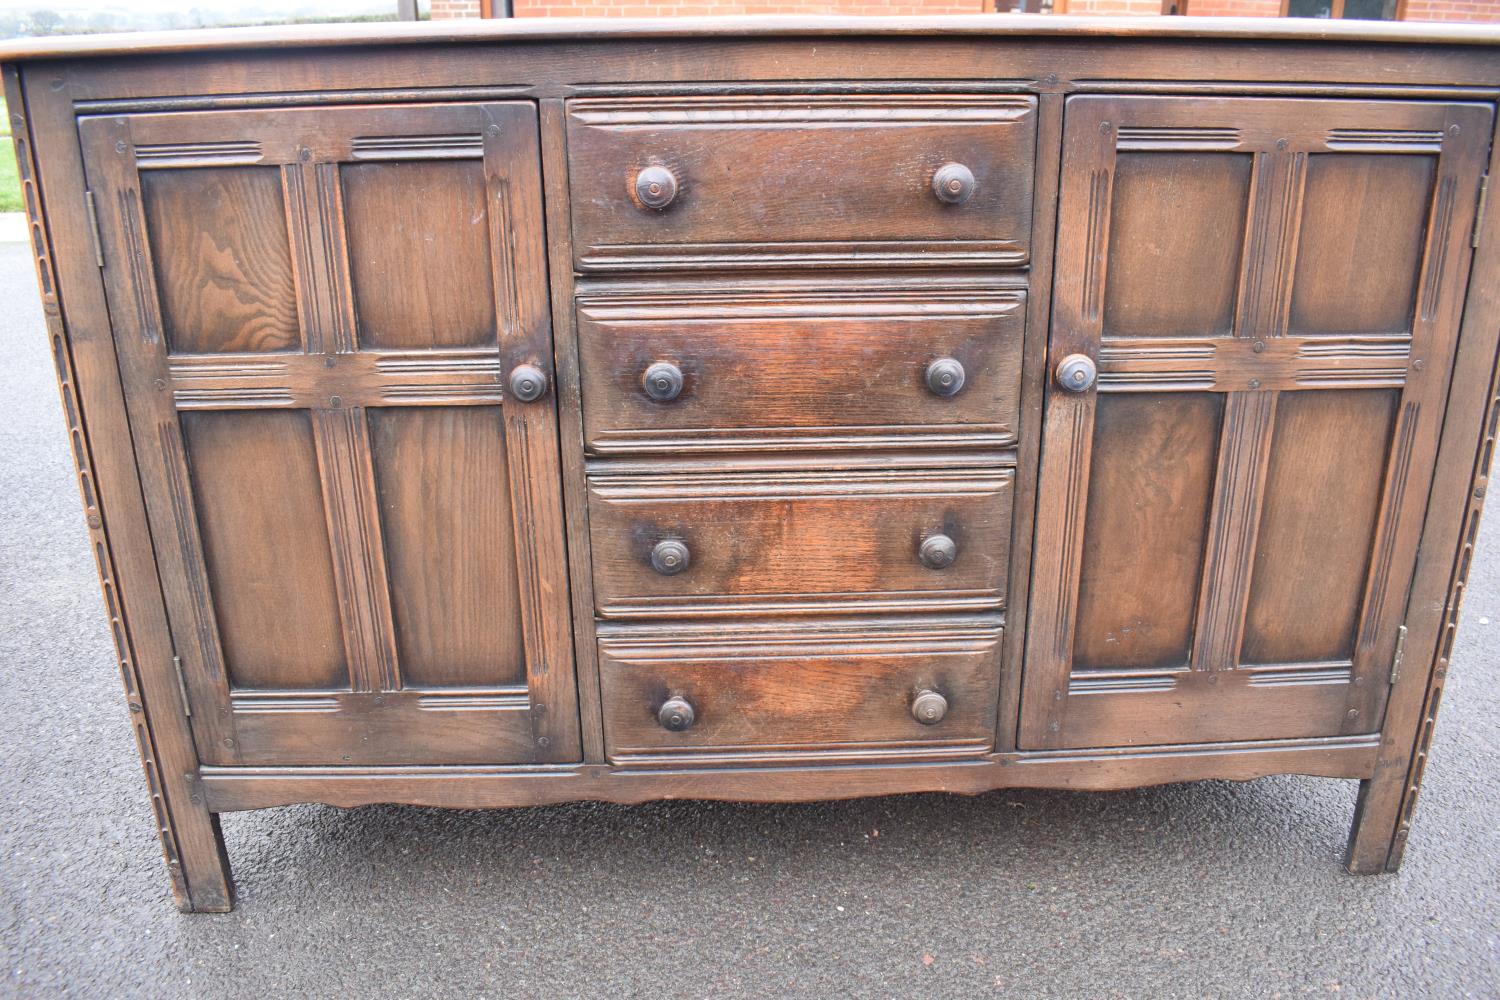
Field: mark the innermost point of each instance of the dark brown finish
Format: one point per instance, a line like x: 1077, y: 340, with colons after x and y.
x: 263, y: 473
x: 767, y: 366
x: 768, y: 180
x: 953, y: 183
x: 819, y: 690
x: 945, y: 377
x: 797, y: 542
x: 655, y: 187
x: 676, y: 714
x: 472, y: 431
x: 929, y: 707
x: 662, y: 381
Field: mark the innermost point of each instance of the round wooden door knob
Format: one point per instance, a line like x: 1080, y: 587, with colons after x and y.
x: 527, y: 383
x: 945, y: 377
x: 953, y: 183
x: 670, y: 556
x: 938, y: 552
x: 676, y: 714
x: 655, y: 187
x: 929, y: 707
x: 1076, y: 372
x: 662, y: 381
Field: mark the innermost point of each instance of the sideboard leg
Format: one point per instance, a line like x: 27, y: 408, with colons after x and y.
x: 201, y: 881
x: 1373, y: 836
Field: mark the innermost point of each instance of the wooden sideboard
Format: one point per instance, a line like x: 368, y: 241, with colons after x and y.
x: 514, y: 413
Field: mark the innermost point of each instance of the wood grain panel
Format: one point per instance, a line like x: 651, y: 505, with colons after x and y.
x: 777, y: 180
x: 409, y: 727
x: 223, y: 259
x: 1169, y: 707
x: 1360, y: 252
x: 1144, y: 535
x: 821, y: 687
x: 449, y: 545
x: 1327, y: 468
x: 1177, y: 222
x: 419, y: 253
x: 260, y: 514
x: 771, y: 368
x: 799, y: 541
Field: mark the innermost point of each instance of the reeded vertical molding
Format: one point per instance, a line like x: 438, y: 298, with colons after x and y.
x: 1239, y: 485
x: 320, y: 256
x: 353, y: 511
x: 1270, y: 256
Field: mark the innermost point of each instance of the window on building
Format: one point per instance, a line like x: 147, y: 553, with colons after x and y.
x: 1365, y: 10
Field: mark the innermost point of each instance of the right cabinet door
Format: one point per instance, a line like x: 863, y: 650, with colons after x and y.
x: 1254, y: 318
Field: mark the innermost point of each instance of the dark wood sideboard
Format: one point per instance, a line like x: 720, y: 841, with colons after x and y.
x: 512, y: 413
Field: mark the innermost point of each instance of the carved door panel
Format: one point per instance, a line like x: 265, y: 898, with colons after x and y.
x: 1254, y: 319
x: 357, y: 519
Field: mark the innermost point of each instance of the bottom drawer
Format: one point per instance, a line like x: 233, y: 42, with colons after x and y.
x: 782, y: 691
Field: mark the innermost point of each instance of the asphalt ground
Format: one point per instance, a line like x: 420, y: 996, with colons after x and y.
x: 1214, y: 889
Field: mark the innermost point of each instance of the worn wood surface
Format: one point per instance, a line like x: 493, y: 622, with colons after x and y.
x: 376, y: 569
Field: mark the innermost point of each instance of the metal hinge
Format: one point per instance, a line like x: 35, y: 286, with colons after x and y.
x: 1484, y: 191
x: 187, y: 706
x: 1400, y: 654
x: 88, y: 201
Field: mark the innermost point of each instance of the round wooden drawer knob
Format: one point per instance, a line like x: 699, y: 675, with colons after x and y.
x: 945, y: 377
x: 527, y: 383
x: 1076, y: 372
x: 655, y: 187
x: 670, y: 556
x: 929, y: 707
x: 938, y: 552
x: 676, y: 714
x: 953, y: 183
x: 662, y: 381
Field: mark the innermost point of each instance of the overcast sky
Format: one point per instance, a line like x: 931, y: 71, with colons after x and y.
x: 332, y: 8
x: 50, y: 17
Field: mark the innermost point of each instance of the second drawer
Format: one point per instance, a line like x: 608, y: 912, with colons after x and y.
x: 763, y: 368
x: 800, y: 541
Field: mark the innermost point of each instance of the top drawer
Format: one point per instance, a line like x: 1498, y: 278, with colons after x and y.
x: 693, y: 182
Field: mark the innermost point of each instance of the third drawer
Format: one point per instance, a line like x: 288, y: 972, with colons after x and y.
x: 800, y: 541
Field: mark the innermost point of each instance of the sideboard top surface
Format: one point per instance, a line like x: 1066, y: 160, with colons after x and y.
x: 1012, y: 26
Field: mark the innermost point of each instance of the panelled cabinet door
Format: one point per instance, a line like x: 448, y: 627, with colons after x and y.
x: 357, y: 519
x: 1254, y: 320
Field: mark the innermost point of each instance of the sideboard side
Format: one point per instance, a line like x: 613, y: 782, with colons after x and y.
x: 1383, y: 814
x: 78, y: 329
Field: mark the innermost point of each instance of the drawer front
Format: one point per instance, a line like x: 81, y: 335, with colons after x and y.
x: 815, y: 688
x: 905, y: 180
x: 799, y: 541
x: 759, y: 369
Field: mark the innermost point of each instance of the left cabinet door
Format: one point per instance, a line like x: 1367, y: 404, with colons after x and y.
x: 318, y: 315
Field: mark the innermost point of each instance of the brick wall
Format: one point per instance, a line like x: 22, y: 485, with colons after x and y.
x: 1234, y: 8
x: 1453, y: 10
x: 443, y: 9
x: 1416, y: 10
x: 1113, y: 7
x: 689, y: 8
